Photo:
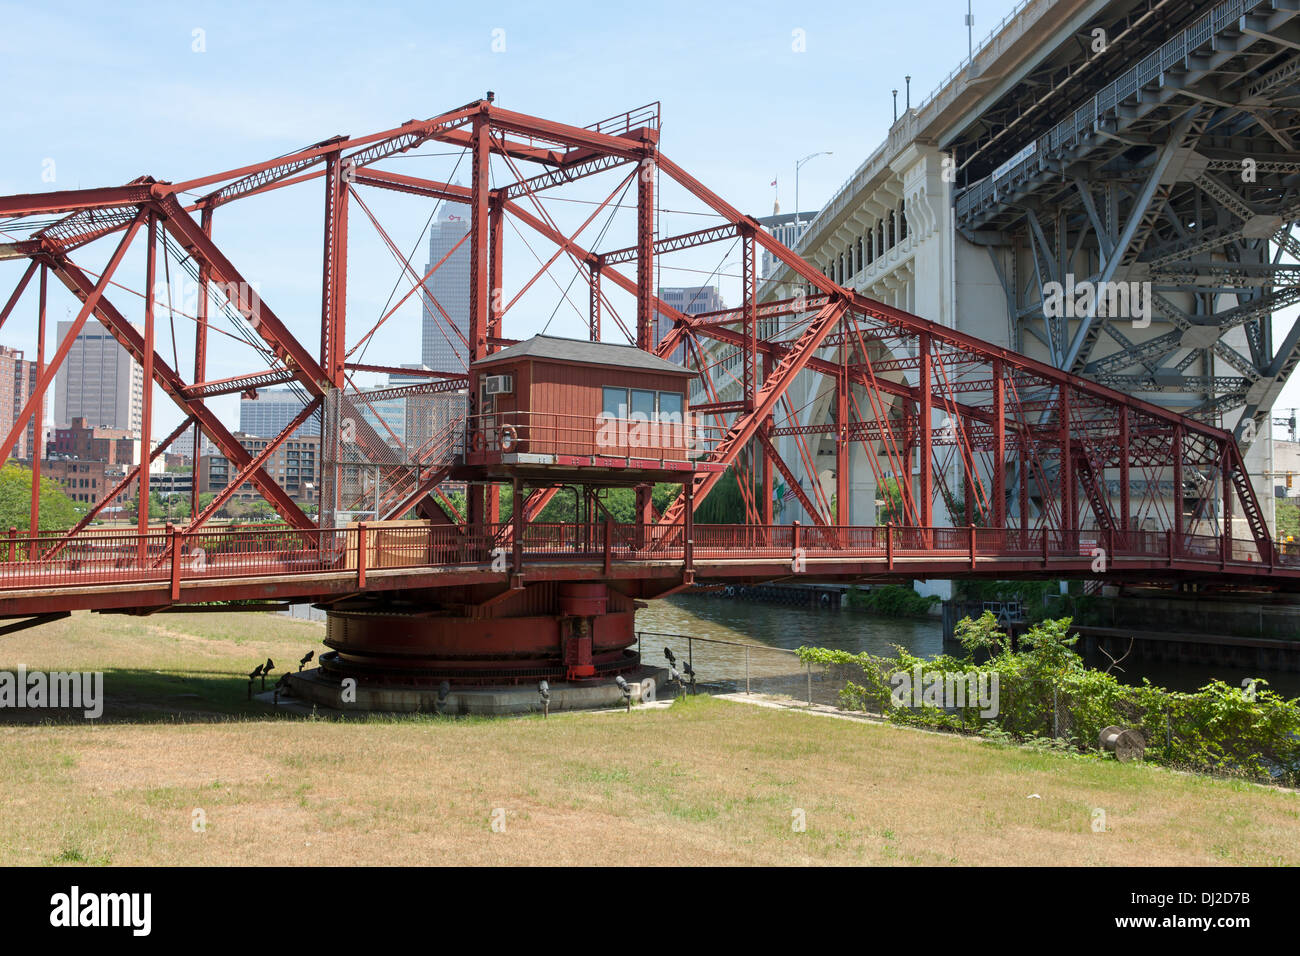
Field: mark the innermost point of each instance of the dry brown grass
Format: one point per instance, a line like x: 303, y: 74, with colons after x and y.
x: 706, y: 781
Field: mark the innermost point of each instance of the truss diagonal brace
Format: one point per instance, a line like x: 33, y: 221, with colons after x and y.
x: 79, y: 284
x: 791, y: 481
x: 254, y: 464
x: 222, y: 272
x: 774, y: 386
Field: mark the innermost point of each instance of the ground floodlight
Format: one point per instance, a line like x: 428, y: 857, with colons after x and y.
x: 627, y: 691
x: 306, y: 659
x: 544, y: 689
x: 668, y: 653
x: 444, y: 689
x: 282, y: 685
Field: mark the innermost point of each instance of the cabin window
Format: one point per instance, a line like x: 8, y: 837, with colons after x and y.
x: 643, y: 403
x: 615, y: 402
x: 670, y: 407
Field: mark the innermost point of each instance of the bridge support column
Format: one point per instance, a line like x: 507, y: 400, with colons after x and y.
x: 1226, y: 478
x: 645, y: 224
x: 38, y: 451
x: 924, y: 430
x: 1069, y: 512
x: 1024, y: 493
x: 645, y: 514
x: 999, y: 448
x: 1123, y: 472
x: 1178, y: 486
x: 201, y: 368
x: 843, y: 514
x: 146, y: 411
x: 399, y: 651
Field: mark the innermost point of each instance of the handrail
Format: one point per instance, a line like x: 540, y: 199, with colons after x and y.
x: 228, y: 553
x: 680, y: 438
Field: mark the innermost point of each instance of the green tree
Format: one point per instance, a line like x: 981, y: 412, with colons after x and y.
x: 55, y: 510
x: 725, y: 504
x: 1288, y: 520
x: 891, y: 512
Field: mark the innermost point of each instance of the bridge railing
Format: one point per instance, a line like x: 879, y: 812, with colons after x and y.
x: 98, y: 558
x: 238, y: 552
x: 102, y: 558
x: 760, y: 541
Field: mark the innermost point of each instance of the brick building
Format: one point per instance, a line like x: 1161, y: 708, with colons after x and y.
x: 17, y: 383
x: 294, y: 466
x: 88, y: 481
x: 93, y: 443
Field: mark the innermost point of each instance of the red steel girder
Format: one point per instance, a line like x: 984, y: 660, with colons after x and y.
x: 246, y: 301
x: 237, y: 384
x: 121, y: 486
x: 79, y: 284
x: 774, y: 386
x: 253, y: 465
x: 75, y: 200
x: 562, y: 175
x: 699, y: 237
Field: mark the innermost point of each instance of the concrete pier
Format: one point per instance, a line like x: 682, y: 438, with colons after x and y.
x: 314, y: 687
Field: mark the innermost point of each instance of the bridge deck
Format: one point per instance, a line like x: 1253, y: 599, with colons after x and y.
x: 125, y: 571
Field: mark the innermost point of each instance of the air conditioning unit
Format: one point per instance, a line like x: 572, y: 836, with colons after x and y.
x: 499, y: 385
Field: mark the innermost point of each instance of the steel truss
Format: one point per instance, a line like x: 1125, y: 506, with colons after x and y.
x: 1168, y: 159
x: 1033, y: 448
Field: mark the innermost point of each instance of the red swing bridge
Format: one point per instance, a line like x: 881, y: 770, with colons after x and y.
x: 991, y: 464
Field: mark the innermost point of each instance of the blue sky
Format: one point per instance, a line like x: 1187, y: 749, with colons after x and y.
x: 110, y: 94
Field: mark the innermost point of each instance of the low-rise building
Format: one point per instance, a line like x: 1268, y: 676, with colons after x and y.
x: 88, y: 481
x: 294, y: 466
x: 88, y: 442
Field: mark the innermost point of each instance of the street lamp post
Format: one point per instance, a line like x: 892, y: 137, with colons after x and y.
x: 798, y: 166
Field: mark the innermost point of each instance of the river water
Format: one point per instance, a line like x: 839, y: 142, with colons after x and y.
x: 781, y: 626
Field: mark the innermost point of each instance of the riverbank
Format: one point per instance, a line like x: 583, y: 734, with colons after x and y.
x: 701, y: 781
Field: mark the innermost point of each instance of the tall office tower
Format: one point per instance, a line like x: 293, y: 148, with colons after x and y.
x: 99, y: 381
x: 442, y: 349
x: 689, y: 299
x: 273, y: 409
x: 17, y: 383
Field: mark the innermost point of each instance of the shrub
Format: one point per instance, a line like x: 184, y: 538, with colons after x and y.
x: 892, y: 601
x: 1045, y: 692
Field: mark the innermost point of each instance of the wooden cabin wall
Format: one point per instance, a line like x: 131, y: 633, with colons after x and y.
x: 566, y: 399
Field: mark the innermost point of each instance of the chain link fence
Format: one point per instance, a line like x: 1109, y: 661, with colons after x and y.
x: 737, y: 667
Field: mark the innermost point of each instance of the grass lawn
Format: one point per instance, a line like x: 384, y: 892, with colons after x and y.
x: 704, y: 781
